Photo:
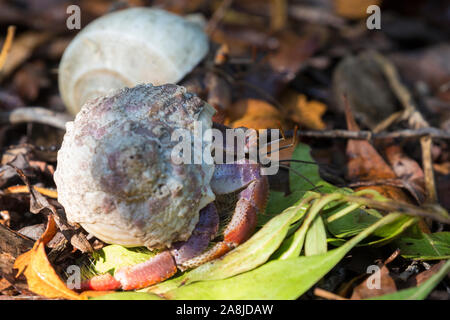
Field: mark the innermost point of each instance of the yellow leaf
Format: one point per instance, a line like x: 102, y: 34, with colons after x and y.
x: 304, y: 112
x: 24, y: 189
x: 23, y: 261
x: 255, y: 114
x: 41, y: 277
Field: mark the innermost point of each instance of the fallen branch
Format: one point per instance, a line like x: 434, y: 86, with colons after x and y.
x: 35, y: 114
x: 369, y: 135
x: 415, y: 121
x: 217, y: 16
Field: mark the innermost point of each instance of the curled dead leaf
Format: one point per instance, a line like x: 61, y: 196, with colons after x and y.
x: 41, y: 277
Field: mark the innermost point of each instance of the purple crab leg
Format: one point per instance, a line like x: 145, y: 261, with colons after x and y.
x: 251, y: 201
x: 205, y: 230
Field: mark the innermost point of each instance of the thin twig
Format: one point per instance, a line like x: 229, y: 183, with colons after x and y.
x: 427, y: 163
x: 415, y: 121
x: 389, y: 182
x: 35, y: 114
x: 369, y: 135
x: 7, y: 45
x: 217, y: 16
x: 327, y: 295
x: 392, y: 257
x: 315, y: 15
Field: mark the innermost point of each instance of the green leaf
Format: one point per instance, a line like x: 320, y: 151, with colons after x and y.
x: 390, y: 232
x: 352, y: 223
x: 128, y: 295
x: 310, y: 172
x: 347, y: 226
x: 298, y: 238
x: 277, y: 279
x: 435, y: 246
x: 316, y: 238
x: 113, y: 257
x: 247, y: 256
x: 420, y: 292
x: 298, y: 185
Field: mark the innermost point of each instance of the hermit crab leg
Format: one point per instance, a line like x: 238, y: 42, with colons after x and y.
x: 251, y: 201
x: 163, y: 265
x: 205, y: 230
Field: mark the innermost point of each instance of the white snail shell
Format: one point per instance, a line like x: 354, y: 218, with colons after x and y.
x: 115, y: 175
x: 126, y: 48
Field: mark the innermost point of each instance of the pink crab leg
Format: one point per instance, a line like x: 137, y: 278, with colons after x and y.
x: 252, y: 200
x: 163, y: 265
x: 154, y: 270
x: 205, y: 230
x: 103, y: 282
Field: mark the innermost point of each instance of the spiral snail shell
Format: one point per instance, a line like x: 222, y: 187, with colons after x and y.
x: 115, y: 175
x: 126, y: 48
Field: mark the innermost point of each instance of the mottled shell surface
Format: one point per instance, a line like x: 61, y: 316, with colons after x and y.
x: 126, y: 48
x: 115, y: 175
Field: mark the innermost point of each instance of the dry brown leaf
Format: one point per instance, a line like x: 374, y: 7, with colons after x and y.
x: 41, y: 277
x: 286, y: 154
x: 408, y: 170
x: 420, y: 278
x: 442, y: 168
x: 22, y: 49
x: 304, y: 112
x: 4, y: 284
x: 293, y: 52
x: 254, y: 113
x: 387, y: 285
x: 366, y: 164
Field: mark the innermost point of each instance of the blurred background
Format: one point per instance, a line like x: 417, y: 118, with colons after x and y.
x: 272, y: 64
x: 277, y: 63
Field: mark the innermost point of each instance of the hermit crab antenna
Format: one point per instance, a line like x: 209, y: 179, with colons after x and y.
x: 298, y: 161
x: 281, y: 129
x: 292, y: 144
x: 283, y: 137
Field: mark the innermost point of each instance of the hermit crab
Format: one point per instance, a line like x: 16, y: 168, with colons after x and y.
x: 117, y: 178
